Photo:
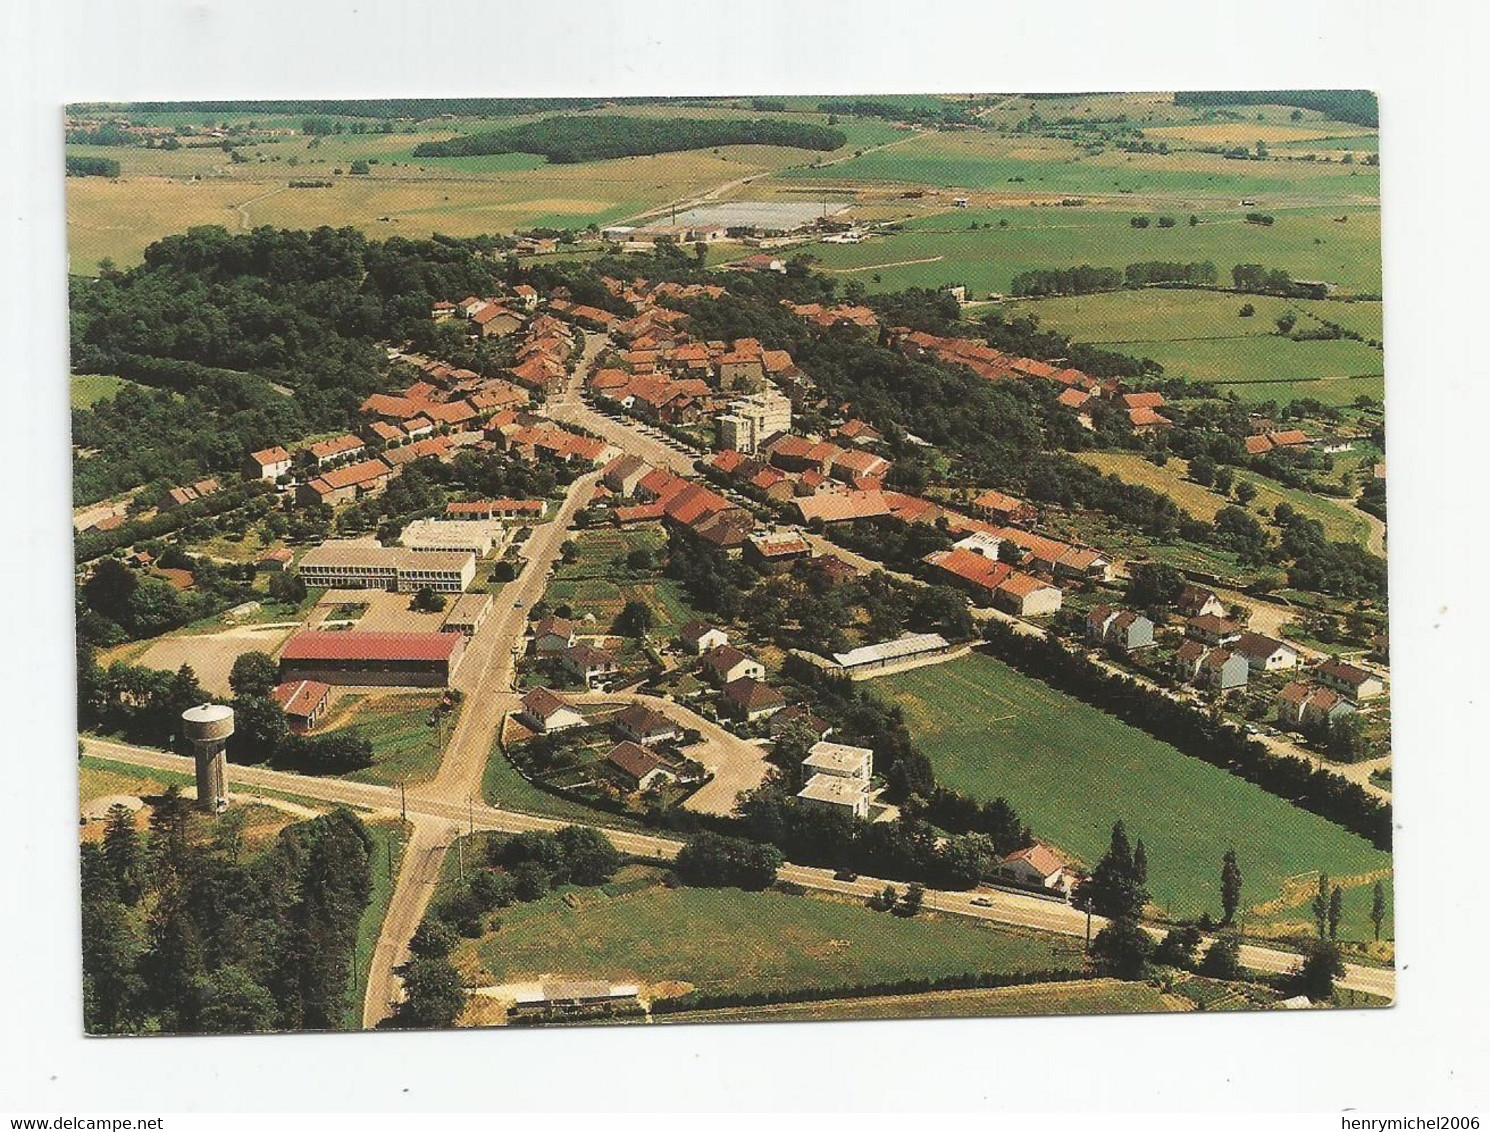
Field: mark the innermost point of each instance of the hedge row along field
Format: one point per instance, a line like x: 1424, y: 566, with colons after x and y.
x: 567, y: 141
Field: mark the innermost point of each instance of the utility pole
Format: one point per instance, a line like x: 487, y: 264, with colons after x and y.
x: 403, y: 802
x: 460, y: 855
x: 471, y: 815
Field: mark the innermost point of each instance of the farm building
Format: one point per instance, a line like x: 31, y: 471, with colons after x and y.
x: 912, y: 646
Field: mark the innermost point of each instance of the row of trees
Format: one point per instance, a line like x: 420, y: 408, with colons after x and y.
x: 1197, y: 734
x: 570, y: 139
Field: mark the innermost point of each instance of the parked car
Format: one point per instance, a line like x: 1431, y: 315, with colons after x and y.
x: 845, y: 874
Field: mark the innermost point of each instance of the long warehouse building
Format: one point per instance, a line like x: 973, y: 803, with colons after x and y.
x: 392, y: 659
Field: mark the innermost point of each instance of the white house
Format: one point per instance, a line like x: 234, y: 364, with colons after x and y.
x: 1265, y: 653
x: 544, y: 712
x: 727, y: 664
x: 834, y: 792
x: 700, y: 637
x: 588, y: 664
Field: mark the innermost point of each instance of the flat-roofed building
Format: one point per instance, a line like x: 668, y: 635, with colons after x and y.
x: 380, y: 659
x: 840, y: 760
x: 475, y: 536
x: 351, y: 564
x: 467, y: 613
x: 752, y: 420
x: 833, y: 792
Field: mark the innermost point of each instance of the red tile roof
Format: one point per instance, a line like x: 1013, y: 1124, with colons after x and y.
x: 301, y: 698
x: 376, y: 647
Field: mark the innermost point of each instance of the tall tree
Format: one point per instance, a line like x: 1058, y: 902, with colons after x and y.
x: 1114, y: 890
x: 1321, y: 906
x: 1378, y: 908
x: 1231, y: 887
x: 1122, y: 949
x: 433, y: 994
x: 124, y: 853
x: 253, y: 674
x: 1337, y: 910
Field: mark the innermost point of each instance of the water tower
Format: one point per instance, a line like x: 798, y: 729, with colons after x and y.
x: 207, y: 728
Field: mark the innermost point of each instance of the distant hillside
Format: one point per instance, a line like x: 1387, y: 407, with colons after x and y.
x: 567, y: 140
x: 360, y: 108
x: 1358, y: 106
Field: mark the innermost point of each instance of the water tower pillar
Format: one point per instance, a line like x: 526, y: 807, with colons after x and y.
x: 207, y: 729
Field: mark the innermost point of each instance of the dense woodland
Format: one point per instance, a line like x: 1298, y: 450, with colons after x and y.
x: 186, y: 935
x: 1358, y: 106
x: 567, y: 140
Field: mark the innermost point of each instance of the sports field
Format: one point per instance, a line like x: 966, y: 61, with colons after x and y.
x: 1341, y: 522
x: 729, y: 941
x: 1071, y: 771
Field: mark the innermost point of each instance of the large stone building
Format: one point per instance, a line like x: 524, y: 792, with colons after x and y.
x: 752, y: 420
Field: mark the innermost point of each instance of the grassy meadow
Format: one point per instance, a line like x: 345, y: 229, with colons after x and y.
x: 730, y: 941
x: 1071, y: 771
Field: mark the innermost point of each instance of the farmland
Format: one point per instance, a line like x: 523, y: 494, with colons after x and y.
x: 1341, y: 522
x: 164, y: 191
x: 1071, y: 771
x: 1011, y: 240
x: 599, y: 581
x: 728, y: 941
x: 1034, y: 168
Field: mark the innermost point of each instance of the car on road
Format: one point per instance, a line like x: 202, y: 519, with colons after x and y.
x: 845, y: 874
x: 982, y: 902
x: 518, y: 604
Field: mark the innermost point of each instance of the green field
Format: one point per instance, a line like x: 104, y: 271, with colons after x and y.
x: 1118, y: 318
x: 90, y: 388
x: 1071, y: 771
x: 987, y: 259
x: 406, y: 748
x: 984, y: 162
x: 389, y: 838
x: 1089, y: 996
x: 729, y: 941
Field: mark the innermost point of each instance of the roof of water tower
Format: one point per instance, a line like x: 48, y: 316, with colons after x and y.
x: 207, y: 713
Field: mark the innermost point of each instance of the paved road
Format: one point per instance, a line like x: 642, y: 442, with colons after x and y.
x: 485, y: 677
x: 446, y: 819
